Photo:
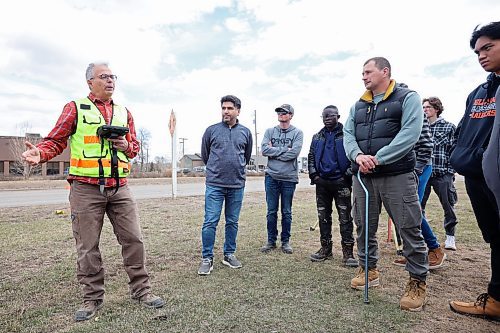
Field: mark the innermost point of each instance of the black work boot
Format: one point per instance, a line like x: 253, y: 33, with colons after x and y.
x: 347, y: 256
x: 324, y: 253
x: 268, y: 247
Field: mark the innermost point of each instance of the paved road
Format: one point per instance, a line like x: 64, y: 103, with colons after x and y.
x: 57, y: 196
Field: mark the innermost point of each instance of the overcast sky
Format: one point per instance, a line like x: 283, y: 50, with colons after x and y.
x: 185, y: 55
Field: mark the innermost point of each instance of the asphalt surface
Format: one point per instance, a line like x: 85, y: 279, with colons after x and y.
x: 22, y: 198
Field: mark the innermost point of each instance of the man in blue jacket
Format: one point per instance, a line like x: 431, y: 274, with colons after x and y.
x: 472, y: 138
x: 281, y: 145
x: 329, y: 171
x: 226, y: 149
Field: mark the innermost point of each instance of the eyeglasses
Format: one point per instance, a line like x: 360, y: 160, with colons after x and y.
x: 282, y: 113
x: 107, y: 76
x: 428, y: 107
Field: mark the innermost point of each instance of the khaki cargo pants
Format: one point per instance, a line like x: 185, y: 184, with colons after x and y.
x: 398, y: 194
x: 88, y: 207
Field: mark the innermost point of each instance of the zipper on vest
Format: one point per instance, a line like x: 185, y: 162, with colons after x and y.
x: 370, y: 130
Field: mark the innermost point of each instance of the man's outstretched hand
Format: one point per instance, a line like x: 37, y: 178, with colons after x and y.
x: 32, y: 154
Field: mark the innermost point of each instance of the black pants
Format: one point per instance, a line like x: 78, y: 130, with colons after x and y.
x: 339, y: 191
x: 486, y: 212
x: 447, y: 194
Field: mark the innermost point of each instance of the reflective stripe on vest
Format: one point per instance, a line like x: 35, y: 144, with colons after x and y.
x: 94, y: 163
x: 86, y: 146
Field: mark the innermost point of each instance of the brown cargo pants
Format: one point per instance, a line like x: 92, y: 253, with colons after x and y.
x: 88, y: 207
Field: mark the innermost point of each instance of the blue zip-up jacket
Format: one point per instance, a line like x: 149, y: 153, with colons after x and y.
x: 226, y: 151
x: 327, y: 157
x: 474, y: 130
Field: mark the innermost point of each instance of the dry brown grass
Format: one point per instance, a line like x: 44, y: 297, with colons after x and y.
x: 271, y: 293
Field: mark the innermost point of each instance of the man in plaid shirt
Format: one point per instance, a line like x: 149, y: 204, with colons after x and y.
x: 94, y: 194
x: 443, y: 175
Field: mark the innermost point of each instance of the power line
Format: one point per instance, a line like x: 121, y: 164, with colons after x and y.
x: 256, y: 140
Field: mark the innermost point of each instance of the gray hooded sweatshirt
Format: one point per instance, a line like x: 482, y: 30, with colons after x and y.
x: 282, y: 148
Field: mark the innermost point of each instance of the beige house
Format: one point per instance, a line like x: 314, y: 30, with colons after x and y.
x: 189, y: 161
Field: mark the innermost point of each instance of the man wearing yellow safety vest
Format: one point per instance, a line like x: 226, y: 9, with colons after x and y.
x: 98, y: 170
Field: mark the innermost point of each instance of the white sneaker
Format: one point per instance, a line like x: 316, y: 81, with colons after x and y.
x: 449, y: 244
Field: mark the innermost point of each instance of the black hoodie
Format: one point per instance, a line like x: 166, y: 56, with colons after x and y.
x: 474, y: 130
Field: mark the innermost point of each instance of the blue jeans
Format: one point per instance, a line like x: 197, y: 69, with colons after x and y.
x: 429, y: 237
x: 276, y: 189
x: 215, y: 196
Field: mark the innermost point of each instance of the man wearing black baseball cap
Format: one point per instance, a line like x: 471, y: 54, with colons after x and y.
x: 281, y: 145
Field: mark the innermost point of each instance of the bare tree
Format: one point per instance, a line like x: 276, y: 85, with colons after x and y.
x: 144, y: 136
x: 17, y: 147
x: 160, y: 164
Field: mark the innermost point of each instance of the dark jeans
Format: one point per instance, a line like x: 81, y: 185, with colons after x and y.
x: 326, y: 192
x: 447, y: 194
x: 486, y: 211
x: 276, y: 189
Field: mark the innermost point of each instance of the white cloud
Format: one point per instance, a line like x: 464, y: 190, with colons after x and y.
x: 237, y: 25
x: 186, y: 55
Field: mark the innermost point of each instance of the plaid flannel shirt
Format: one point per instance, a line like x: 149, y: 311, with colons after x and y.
x: 442, y: 133
x: 424, y: 147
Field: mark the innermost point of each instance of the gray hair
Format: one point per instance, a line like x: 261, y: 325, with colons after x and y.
x: 89, y: 74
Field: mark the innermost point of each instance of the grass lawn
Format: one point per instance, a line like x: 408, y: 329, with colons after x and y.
x: 272, y: 292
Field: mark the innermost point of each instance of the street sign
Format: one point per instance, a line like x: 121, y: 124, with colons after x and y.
x: 171, y: 123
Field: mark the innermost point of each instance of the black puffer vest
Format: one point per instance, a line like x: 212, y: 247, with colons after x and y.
x: 376, y: 125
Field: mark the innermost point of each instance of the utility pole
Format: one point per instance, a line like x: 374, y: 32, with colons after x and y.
x: 181, y: 141
x: 256, y: 140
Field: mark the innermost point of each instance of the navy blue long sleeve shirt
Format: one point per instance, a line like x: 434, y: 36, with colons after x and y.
x: 226, y: 151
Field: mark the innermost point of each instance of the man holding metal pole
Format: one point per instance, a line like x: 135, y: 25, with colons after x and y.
x: 379, y: 135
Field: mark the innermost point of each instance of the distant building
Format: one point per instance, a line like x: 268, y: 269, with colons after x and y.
x: 302, y: 163
x: 11, y: 148
x: 257, y: 163
x: 189, y: 161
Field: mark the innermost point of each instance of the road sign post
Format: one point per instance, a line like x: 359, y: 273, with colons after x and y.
x: 173, y: 134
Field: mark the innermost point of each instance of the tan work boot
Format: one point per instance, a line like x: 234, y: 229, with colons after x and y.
x: 436, y: 258
x: 400, y: 261
x: 485, y: 306
x: 88, y: 309
x: 151, y: 301
x: 414, y: 296
x: 358, y: 282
